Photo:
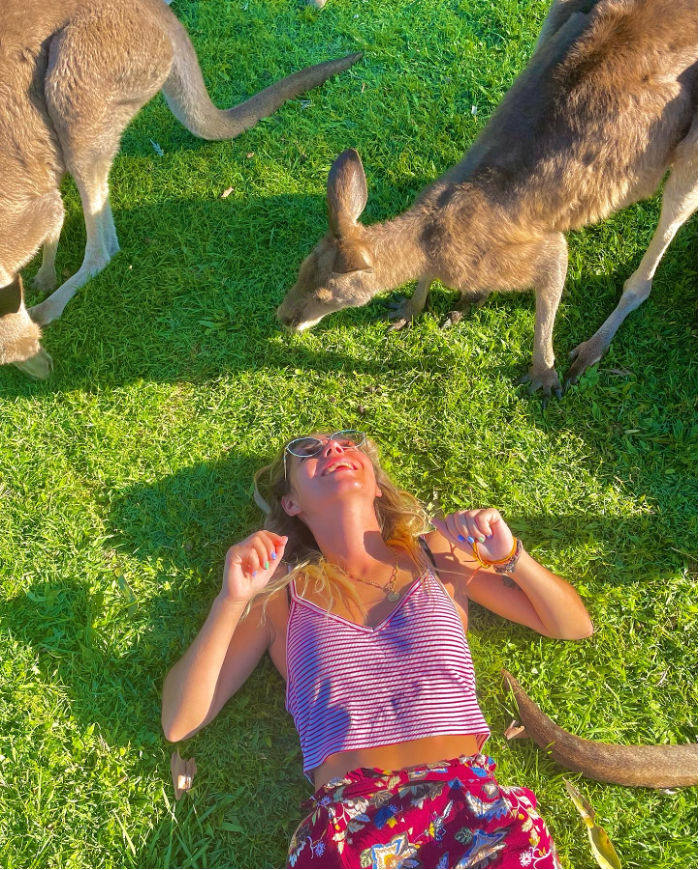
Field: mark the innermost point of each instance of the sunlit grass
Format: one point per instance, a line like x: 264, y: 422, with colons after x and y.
x: 133, y: 464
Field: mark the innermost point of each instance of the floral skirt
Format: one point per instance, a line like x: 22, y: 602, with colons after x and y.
x: 449, y: 814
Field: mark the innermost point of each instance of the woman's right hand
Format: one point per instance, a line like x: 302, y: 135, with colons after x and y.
x: 250, y: 565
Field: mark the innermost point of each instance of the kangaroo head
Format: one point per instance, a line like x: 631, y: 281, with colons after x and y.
x: 20, y: 337
x: 339, y: 272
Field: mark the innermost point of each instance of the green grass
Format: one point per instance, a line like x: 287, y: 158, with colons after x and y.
x: 132, y: 465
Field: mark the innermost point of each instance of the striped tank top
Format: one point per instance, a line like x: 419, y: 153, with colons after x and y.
x: 351, y: 686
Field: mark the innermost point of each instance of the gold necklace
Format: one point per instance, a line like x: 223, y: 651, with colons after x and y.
x: 388, y: 587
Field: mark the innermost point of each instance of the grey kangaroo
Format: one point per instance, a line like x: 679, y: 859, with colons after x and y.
x: 605, y: 107
x: 73, y: 73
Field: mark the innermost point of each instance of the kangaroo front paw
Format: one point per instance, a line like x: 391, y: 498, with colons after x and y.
x: 452, y: 319
x: 545, y: 379
x: 45, y: 281
x: 401, y: 314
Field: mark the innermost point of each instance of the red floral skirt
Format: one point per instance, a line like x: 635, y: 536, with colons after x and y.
x: 449, y: 814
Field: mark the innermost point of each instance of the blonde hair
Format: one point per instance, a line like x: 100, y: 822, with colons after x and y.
x: 400, y: 515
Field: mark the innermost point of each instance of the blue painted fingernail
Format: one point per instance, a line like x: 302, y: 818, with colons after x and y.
x: 273, y: 555
x: 267, y: 565
x: 490, y: 536
x: 460, y: 537
x: 481, y: 539
x: 470, y: 539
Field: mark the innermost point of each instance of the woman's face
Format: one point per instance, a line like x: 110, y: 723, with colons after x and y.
x: 335, y: 472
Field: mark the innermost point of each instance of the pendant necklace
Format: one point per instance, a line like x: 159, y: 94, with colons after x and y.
x: 388, y: 587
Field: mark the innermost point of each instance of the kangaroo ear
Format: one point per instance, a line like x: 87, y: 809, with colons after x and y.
x: 11, y: 297
x: 347, y: 192
x: 352, y: 258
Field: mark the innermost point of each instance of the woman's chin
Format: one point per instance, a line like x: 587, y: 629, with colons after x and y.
x: 345, y: 481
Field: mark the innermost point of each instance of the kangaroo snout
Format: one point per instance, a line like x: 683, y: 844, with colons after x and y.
x: 38, y: 366
x: 287, y: 321
x: 296, y: 322
x: 299, y: 311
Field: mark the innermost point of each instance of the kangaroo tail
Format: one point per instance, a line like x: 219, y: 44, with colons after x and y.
x: 187, y: 96
x: 661, y: 766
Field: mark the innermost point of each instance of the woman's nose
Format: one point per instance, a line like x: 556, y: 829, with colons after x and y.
x: 332, y: 447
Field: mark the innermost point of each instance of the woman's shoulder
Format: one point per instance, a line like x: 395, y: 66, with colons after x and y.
x: 450, y: 563
x: 277, y: 610
x: 436, y: 543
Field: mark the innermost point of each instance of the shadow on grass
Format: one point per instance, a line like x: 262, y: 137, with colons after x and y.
x: 108, y: 646
x: 181, y: 527
x: 193, y: 295
x: 248, y: 758
x: 182, y: 522
x: 46, y: 617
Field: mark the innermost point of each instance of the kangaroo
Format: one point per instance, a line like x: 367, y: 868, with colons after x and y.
x: 73, y: 73
x: 607, y: 104
x: 660, y: 766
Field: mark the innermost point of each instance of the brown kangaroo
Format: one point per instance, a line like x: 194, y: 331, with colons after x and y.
x: 661, y: 766
x: 605, y: 107
x: 73, y: 73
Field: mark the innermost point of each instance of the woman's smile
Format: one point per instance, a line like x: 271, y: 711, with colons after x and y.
x: 339, y: 464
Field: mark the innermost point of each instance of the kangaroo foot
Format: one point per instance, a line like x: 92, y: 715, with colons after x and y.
x: 547, y: 379
x: 587, y: 354
x: 113, y: 246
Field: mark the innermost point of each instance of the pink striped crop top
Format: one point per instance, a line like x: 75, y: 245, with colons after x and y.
x: 352, y: 686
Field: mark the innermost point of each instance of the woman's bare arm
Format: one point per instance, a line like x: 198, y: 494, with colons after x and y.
x: 224, y: 653
x: 531, y: 595
x: 553, y: 607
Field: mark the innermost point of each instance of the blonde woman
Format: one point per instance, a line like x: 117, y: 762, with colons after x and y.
x: 365, y: 618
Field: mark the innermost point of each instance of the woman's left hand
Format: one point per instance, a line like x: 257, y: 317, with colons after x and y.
x: 486, y: 526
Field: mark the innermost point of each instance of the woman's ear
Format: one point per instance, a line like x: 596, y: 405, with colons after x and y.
x: 378, y: 493
x: 289, y: 506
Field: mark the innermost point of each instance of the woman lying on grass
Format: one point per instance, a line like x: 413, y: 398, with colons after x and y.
x: 366, y: 621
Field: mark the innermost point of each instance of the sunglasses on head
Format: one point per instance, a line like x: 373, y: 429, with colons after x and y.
x: 309, y: 445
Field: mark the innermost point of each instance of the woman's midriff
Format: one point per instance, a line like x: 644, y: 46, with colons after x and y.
x: 396, y: 756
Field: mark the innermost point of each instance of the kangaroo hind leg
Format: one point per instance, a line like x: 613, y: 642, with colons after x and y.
x: 680, y: 201
x: 101, y: 71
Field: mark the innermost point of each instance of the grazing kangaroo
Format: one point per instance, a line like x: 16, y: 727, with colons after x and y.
x: 606, y: 106
x: 73, y: 73
x: 660, y: 766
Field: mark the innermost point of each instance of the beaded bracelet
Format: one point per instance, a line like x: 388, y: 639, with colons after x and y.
x: 505, y: 565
